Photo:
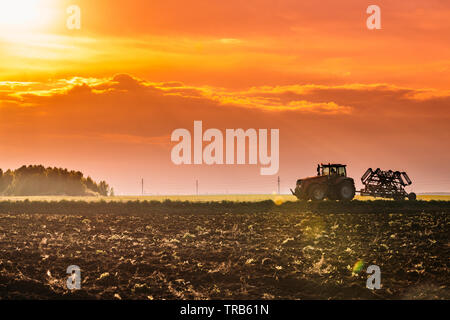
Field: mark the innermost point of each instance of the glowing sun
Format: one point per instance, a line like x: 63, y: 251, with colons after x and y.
x: 24, y: 14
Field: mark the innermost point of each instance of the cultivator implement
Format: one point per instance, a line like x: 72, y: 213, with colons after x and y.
x: 386, y: 184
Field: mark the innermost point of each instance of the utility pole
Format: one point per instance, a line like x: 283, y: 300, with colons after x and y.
x: 278, y: 184
x: 196, y: 186
x: 142, y: 186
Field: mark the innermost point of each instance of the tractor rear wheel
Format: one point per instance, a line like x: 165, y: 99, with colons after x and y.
x: 412, y: 196
x: 317, y: 192
x: 346, y: 191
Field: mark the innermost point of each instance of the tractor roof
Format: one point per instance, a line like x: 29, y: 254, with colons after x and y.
x: 333, y: 165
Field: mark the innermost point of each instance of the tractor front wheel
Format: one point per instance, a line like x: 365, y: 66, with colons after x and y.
x: 317, y: 192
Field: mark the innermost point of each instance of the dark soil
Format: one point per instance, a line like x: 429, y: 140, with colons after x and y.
x: 218, y: 255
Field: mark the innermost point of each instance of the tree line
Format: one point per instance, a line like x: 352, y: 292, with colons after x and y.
x: 36, y: 180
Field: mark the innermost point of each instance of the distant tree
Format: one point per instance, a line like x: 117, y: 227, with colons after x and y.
x: 5, y: 180
x: 103, y: 188
x: 38, y: 180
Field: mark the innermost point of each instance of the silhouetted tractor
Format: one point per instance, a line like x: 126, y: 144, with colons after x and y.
x: 331, y: 182
x: 386, y: 184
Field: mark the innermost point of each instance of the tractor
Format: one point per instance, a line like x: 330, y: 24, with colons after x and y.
x: 331, y: 182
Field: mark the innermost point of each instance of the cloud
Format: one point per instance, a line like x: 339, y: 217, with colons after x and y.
x: 94, y: 103
x: 123, y: 85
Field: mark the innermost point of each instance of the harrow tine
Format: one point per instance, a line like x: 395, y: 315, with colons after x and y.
x: 406, y: 177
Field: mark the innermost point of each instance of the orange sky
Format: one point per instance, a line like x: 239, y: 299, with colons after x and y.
x: 105, y: 99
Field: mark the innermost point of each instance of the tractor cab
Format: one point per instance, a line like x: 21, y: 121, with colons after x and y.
x: 331, y: 182
x: 332, y: 170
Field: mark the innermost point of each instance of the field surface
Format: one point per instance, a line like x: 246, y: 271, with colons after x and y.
x: 253, y: 250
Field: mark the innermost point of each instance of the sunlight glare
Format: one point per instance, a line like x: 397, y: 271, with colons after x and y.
x: 20, y: 15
